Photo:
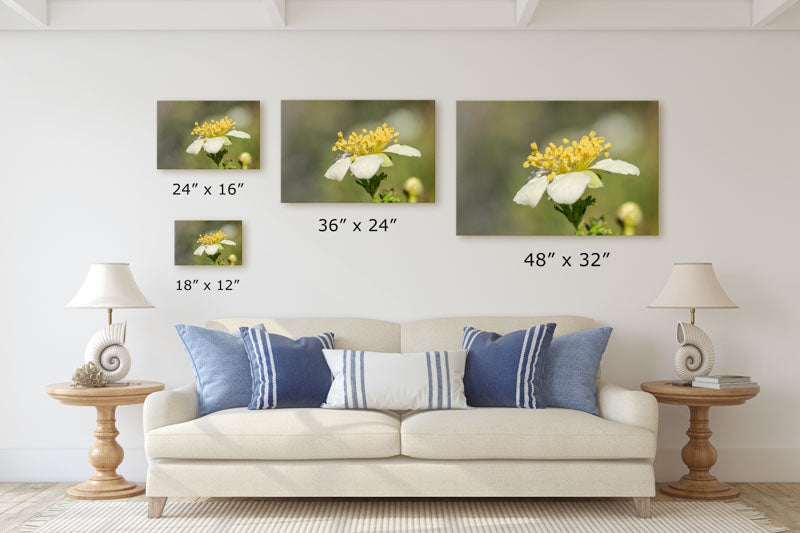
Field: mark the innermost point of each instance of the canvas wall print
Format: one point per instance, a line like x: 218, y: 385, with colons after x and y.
x: 215, y: 135
x: 357, y: 151
x: 557, y: 168
x: 208, y: 242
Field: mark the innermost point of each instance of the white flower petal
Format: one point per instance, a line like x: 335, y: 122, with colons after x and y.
x: 200, y: 250
x: 226, y: 241
x: 617, y: 166
x: 194, y: 148
x: 366, y: 166
x: 531, y: 192
x: 239, y: 134
x: 211, y: 249
x: 213, y: 145
x: 337, y: 170
x: 568, y: 188
x: 402, y: 149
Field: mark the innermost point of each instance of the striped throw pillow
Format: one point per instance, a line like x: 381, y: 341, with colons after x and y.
x: 506, y: 370
x: 286, y: 372
x: 410, y: 381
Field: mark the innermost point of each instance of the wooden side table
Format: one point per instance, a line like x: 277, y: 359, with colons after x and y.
x: 106, y: 454
x: 698, y: 454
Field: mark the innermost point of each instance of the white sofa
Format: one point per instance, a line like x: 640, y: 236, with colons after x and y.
x: 480, y: 452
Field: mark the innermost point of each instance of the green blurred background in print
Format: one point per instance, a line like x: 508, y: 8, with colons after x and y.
x: 176, y: 120
x: 187, y: 232
x: 309, y: 129
x: 494, y: 139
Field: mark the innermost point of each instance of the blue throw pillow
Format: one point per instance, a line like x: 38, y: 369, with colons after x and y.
x: 286, y: 372
x: 570, y: 370
x: 220, y: 365
x: 506, y: 371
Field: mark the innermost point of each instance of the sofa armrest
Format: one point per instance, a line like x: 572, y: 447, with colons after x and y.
x: 632, y: 407
x: 169, y: 407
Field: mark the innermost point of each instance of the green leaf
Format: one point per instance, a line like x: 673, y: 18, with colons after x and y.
x: 595, y: 226
x: 387, y: 161
x: 371, y: 185
x: 574, y: 213
x: 386, y: 197
x: 594, y: 180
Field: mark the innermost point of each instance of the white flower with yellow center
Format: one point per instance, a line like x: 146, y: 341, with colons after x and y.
x: 566, y: 171
x: 212, y: 243
x: 212, y: 136
x: 364, y: 153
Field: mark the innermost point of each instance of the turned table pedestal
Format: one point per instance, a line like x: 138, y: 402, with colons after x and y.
x: 698, y: 454
x: 106, y: 454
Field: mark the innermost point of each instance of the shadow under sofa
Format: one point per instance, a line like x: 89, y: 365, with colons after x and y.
x: 477, y: 452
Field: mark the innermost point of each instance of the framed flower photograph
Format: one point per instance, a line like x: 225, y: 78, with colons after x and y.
x: 213, y: 135
x: 557, y: 168
x: 208, y: 242
x: 358, y: 151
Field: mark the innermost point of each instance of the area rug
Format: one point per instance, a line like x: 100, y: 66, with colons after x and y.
x: 565, y: 516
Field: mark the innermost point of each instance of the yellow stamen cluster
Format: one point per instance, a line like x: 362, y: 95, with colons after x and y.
x: 570, y: 156
x: 366, y: 142
x: 211, y: 238
x: 215, y: 128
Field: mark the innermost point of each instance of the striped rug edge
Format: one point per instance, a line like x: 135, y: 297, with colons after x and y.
x: 57, y: 509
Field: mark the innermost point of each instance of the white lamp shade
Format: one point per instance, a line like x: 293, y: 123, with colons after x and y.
x: 693, y: 286
x: 109, y: 286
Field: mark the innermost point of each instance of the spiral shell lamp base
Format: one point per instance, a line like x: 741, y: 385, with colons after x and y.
x: 695, y: 357
x: 106, y: 349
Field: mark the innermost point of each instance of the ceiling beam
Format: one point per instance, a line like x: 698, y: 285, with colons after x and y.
x: 580, y: 15
x: 525, y: 9
x: 277, y: 10
x: 765, y: 11
x: 521, y: 15
x: 373, y: 15
x: 34, y: 11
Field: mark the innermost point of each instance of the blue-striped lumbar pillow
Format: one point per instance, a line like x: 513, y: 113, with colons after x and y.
x: 506, y: 371
x: 376, y: 380
x: 286, y: 372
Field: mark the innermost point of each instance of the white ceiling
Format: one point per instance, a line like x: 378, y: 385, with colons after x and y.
x: 399, y: 14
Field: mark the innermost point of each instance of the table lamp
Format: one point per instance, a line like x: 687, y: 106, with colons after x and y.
x: 109, y: 286
x: 693, y: 286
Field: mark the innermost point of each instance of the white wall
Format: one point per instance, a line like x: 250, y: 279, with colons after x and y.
x: 75, y: 106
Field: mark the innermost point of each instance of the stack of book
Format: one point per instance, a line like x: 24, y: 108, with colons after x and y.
x: 723, y: 382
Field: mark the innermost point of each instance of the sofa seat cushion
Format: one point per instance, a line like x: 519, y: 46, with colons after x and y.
x: 280, y: 434
x: 509, y: 433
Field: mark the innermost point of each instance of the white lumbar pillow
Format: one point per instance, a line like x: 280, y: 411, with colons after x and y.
x: 396, y: 381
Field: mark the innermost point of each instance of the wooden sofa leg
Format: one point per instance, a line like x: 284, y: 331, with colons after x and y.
x: 155, y: 506
x: 642, y: 506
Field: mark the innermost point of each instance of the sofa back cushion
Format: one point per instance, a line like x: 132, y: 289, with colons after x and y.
x: 447, y: 333
x: 351, y: 333
x: 416, y: 336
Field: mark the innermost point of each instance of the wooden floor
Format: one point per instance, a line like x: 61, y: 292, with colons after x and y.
x: 21, y: 501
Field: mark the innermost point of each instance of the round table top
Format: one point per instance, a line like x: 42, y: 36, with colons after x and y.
x: 674, y: 392
x: 132, y: 392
